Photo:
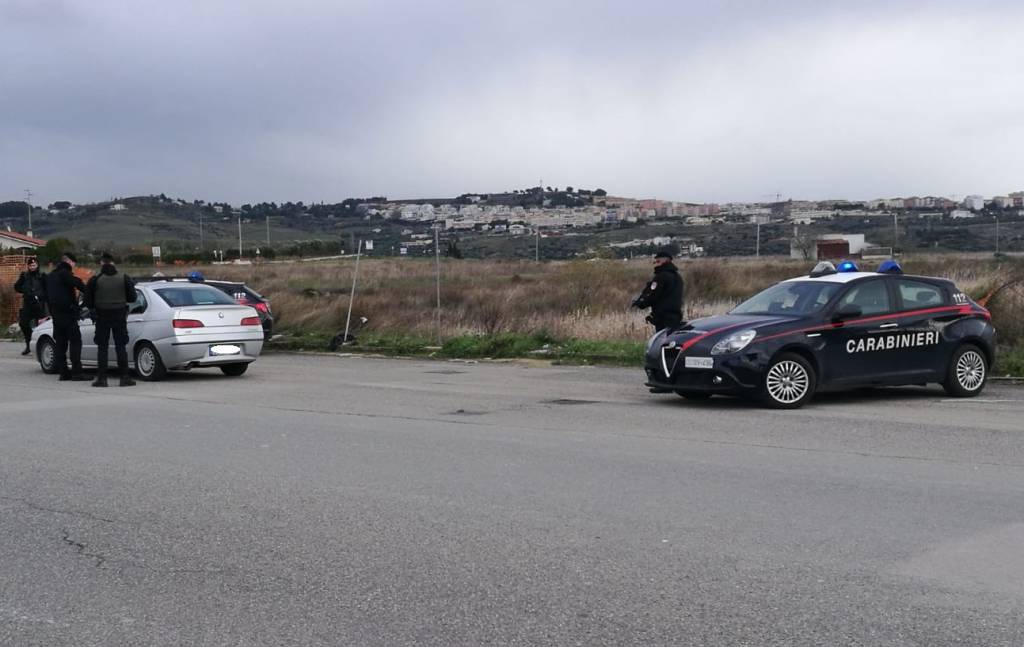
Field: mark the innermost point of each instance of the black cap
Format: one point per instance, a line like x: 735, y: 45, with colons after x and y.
x: 663, y: 253
x: 30, y: 260
x: 70, y: 257
x: 106, y: 257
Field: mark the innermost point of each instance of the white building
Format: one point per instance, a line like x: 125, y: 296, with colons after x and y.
x: 974, y: 202
x: 14, y: 240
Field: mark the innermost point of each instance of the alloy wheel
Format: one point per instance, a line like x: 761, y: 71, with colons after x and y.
x: 787, y: 382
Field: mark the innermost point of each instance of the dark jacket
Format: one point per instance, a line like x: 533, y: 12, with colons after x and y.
x: 663, y: 294
x: 109, y: 270
x: 61, y: 285
x: 32, y: 287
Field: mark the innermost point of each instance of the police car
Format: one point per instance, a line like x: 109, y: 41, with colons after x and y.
x: 833, y: 329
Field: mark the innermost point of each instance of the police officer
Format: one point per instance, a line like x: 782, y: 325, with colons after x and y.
x: 32, y: 287
x: 62, y: 292
x: 108, y: 295
x: 663, y: 294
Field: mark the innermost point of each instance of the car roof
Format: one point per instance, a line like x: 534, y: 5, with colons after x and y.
x: 847, y: 277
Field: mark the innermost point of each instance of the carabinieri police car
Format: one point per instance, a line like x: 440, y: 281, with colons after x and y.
x: 836, y: 328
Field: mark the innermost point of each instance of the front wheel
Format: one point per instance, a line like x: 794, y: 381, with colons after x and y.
x: 967, y: 372
x: 788, y: 383
x: 46, y: 353
x: 234, y: 370
x: 148, y: 365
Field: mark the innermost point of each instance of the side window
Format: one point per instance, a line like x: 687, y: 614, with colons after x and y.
x: 139, y: 305
x: 872, y: 297
x: 917, y: 294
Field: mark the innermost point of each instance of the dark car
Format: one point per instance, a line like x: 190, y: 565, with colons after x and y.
x: 830, y: 330
x: 246, y: 296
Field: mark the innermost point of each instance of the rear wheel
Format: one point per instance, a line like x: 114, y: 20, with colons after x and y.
x: 693, y: 395
x: 789, y: 382
x: 967, y: 372
x: 148, y: 365
x: 46, y: 352
x: 234, y: 370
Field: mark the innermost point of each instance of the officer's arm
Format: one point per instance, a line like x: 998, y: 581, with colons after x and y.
x: 129, y: 289
x: 90, y: 294
x: 19, y: 285
x: 644, y: 300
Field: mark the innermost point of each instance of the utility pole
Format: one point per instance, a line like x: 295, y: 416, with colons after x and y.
x: 352, y: 297
x: 757, y: 249
x: 268, y: 233
x: 895, y: 233
x: 997, y: 234
x: 28, y: 201
x: 536, y: 251
x: 202, y: 240
x: 437, y: 266
x: 239, y: 236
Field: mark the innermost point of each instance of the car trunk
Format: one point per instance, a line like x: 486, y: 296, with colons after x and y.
x: 212, y: 316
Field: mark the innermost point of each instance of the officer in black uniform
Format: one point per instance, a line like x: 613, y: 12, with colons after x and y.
x: 32, y: 287
x: 62, y: 290
x: 663, y: 294
x: 108, y: 295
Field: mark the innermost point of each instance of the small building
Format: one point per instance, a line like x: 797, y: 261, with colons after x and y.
x: 14, y: 240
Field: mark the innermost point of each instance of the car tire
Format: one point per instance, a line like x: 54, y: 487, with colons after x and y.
x: 789, y: 382
x: 967, y: 372
x: 693, y: 395
x: 46, y: 353
x: 234, y: 370
x: 148, y: 365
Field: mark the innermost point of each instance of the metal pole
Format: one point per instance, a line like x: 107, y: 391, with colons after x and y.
x: 997, y: 234
x: 536, y: 251
x: 28, y: 202
x: 895, y: 234
x: 268, y: 230
x: 757, y: 249
x: 437, y: 270
x: 239, y: 236
x: 352, y: 296
x: 202, y: 240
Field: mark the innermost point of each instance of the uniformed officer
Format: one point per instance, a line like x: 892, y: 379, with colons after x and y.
x: 32, y: 288
x: 108, y: 295
x: 663, y: 294
x: 62, y: 291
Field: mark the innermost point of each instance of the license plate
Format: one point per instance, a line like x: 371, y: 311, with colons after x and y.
x: 699, y: 362
x: 225, y: 349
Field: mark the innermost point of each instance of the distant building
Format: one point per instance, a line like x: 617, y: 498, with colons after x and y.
x: 117, y: 207
x: 974, y: 202
x: 14, y: 240
x: 961, y: 213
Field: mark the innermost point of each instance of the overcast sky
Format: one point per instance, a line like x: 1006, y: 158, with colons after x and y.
x: 319, y: 100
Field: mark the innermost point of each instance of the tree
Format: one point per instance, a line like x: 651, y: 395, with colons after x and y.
x: 600, y: 193
x: 60, y: 205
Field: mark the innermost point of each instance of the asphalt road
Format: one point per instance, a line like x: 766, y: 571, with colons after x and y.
x: 320, y: 500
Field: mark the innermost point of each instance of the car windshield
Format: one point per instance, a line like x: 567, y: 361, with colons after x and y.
x: 789, y: 298
x: 193, y: 296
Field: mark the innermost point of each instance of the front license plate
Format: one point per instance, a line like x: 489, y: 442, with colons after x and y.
x: 699, y: 362
x: 225, y: 349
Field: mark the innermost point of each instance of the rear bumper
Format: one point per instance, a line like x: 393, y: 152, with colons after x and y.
x: 196, y: 353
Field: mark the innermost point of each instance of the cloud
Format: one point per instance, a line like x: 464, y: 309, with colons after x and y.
x: 325, y: 100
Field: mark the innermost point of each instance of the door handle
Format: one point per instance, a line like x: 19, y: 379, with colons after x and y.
x: 889, y: 325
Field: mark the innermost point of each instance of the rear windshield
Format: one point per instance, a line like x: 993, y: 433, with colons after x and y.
x: 193, y: 296
x: 789, y: 298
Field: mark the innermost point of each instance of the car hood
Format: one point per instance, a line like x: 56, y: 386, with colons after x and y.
x: 711, y: 329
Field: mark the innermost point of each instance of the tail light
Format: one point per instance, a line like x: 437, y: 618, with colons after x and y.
x: 187, y: 323
x: 251, y: 321
x: 262, y: 307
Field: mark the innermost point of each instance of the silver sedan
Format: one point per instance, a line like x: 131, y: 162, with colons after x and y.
x: 172, y: 326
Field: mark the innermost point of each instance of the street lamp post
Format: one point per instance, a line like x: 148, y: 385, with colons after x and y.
x: 997, y: 234
x: 28, y: 203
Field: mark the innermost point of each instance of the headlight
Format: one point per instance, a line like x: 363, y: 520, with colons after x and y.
x: 734, y: 342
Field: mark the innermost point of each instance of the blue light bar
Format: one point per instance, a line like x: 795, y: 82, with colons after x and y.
x: 847, y: 266
x: 890, y: 267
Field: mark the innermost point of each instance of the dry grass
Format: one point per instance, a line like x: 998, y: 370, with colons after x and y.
x: 573, y: 299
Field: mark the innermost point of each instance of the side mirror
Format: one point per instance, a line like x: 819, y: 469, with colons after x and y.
x: 849, y: 311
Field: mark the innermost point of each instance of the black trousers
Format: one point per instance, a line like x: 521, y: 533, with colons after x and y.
x: 26, y: 321
x: 68, y: 339
x: 107, y: 322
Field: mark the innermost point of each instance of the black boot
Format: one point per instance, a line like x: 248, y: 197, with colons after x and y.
x: 126, y: 380
x: 27, y: 350
x: 101, y: 380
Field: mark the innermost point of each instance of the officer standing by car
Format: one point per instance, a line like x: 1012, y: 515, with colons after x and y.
x: 663, y: 294
x: 108, y: 295
x: 31, y: 285
x: 62, y: 290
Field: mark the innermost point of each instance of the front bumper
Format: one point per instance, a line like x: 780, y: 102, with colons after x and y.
x: 733, y: 374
